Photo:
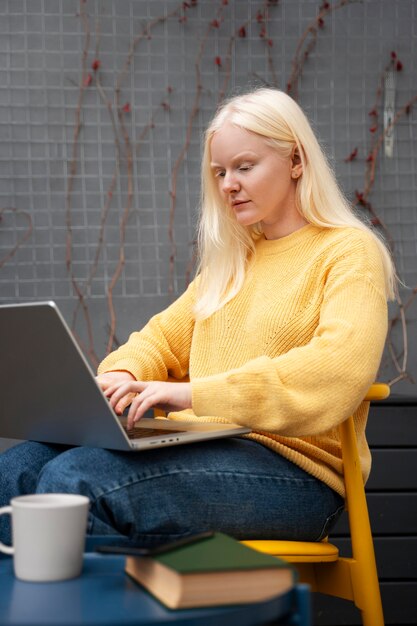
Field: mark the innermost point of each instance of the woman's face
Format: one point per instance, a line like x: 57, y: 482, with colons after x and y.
x: 255, y: 181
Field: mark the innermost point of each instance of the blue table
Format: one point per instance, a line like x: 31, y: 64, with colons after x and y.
x: 104, y: 596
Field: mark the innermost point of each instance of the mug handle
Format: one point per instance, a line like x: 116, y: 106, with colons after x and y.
x: 3, y: 548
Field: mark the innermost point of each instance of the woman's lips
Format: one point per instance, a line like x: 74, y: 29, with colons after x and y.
x: 237, y: 203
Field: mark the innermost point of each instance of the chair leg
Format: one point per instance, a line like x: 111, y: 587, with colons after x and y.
x: 372, y: 619
x: 365, y: 583
x: 371, y: 610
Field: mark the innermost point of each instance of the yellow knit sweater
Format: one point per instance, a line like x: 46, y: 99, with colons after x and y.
x: 290, y: 356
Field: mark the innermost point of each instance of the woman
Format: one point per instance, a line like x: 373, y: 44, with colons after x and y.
x: 282, y: 331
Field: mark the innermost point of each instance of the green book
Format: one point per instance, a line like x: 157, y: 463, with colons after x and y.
x: 217, y: 570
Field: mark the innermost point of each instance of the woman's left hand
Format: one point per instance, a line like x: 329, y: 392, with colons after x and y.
x: 154, y: 394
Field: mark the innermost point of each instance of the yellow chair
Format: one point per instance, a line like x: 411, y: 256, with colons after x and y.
x: 319, y: 563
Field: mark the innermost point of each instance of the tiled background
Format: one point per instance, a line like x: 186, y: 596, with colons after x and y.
x: 170, y: 71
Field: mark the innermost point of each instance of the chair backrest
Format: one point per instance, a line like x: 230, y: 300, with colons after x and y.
x: 355, y: 492
x: 351, y: 465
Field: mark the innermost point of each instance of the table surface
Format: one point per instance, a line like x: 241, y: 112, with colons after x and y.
x: 104, y: 595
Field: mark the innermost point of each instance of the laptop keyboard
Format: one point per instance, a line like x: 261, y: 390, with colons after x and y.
x: 140, y: 433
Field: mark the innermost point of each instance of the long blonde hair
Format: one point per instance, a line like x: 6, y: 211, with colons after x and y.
x: 224, y: 244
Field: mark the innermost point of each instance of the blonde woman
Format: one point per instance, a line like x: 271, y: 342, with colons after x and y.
x: 282, y: 331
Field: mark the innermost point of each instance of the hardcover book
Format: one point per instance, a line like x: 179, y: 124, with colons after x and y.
x: 218, y: 570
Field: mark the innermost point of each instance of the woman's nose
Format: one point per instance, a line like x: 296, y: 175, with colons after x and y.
x: 230, y: 183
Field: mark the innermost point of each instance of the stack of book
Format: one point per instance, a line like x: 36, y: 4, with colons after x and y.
x: 216, y: 570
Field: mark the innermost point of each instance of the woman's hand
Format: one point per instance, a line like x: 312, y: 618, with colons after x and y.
x: 147, y: 395
x: 112, y: 379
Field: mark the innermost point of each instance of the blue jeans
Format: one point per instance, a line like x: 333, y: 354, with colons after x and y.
x: 236, y: 486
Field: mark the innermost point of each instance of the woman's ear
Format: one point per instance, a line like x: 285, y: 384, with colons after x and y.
x: 296, y: 165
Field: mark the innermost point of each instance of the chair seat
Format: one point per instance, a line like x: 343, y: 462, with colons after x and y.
x: 297, y: 551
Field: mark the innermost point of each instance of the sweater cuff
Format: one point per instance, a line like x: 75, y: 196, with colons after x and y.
x: 126, y: 365
x: 211, y: 396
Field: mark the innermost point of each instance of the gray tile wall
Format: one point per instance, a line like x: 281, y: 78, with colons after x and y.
x: 41, y: 46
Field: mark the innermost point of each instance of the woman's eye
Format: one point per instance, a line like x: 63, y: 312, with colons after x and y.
x: 244, y: 168
x: 220, y: 174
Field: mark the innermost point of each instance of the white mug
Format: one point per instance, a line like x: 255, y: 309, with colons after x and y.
x: 48, y: 535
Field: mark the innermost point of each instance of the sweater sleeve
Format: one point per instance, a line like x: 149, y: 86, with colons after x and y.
x: 311, y: 388
x: 161, y: 348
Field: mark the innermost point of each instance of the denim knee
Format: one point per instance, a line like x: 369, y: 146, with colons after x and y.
x: 19, y: 470
x: 61, y: 475
x: 20, y: 467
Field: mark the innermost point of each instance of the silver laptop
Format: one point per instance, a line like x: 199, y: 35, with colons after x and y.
x: 49, y: 393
